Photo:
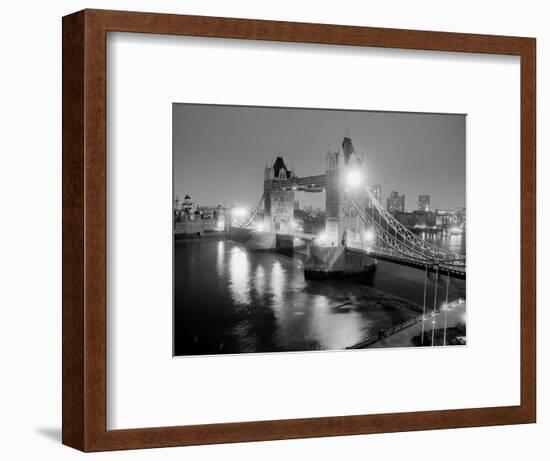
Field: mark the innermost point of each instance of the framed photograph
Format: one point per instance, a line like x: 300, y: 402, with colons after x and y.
x: 280, y: 230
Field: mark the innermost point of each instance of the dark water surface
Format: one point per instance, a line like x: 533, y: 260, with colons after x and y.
x: 229, y: 300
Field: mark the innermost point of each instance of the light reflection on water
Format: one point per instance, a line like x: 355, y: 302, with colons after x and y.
x: 220, y: 257
x: 277, y: 283
x: 229, y: 300
x: 259, y: 280
x: 452, y: 242
x: 239, y: 280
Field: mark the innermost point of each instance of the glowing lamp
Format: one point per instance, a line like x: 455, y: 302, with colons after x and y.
x: 239, y: 212
x: 353, y: 178
x: 369, y: 236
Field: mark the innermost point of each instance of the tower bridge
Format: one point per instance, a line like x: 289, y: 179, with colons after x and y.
x: 358, y: 230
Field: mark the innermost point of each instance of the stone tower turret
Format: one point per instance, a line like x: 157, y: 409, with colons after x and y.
x: 278, y: 197
x: 340, y: 215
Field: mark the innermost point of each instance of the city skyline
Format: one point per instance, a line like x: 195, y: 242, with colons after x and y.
x: 301, y: 206
x: 413, y: 153
x: 351, y: 276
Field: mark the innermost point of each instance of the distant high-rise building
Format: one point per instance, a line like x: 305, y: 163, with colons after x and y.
x: 396, y: 202
x: 424, y: 202
x: 377, y: 192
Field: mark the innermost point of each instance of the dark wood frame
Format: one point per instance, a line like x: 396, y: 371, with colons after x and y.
x: 84, y: 229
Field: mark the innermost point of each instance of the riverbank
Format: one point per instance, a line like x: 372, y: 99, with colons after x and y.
x: 198, y: 235
x: 411, y: 335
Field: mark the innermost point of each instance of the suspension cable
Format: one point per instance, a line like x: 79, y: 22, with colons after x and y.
x: 446, y: 310
x: 254, y: 213
x: 386, y: 233
x: 409, y: 240
x: 437, y: 253
x: 447, y: 291
x: 424, y: 303
x: 435, y: 302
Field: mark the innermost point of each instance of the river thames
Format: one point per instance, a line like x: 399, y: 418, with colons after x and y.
x: 229, y: 300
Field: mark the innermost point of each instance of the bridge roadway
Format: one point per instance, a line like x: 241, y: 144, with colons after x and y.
x: 453, y: 270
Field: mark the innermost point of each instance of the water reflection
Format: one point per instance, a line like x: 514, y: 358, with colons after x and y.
x: 228, y: 300
x: 238, y: 275
x: 220, y: 258
x: 451, y: 242
x: 259, y: 280
x: 277, y: 282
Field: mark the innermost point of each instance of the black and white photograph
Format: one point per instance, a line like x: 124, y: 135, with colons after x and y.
x: 265, y: 231
x: 298, y: 229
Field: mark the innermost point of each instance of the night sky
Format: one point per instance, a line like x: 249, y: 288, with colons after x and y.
x: 220, y: 152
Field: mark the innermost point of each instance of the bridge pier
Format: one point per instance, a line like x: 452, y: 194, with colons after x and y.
x: 336, y: 262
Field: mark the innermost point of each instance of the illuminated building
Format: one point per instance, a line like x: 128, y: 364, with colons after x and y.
x: 396, y: 202
x: 424, y: 202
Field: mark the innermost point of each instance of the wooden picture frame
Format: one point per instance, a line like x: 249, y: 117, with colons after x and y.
x: 85, y: 222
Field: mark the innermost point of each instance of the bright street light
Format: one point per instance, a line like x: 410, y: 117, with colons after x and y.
x: 239, y: 212
x: 322, y: 238
x: 369, y: 236
x: 353, y: 178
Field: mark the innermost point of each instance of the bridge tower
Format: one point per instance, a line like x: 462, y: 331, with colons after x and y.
x: 278, y: 197
x: 343, y: 168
